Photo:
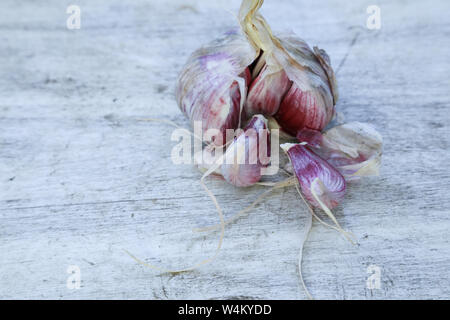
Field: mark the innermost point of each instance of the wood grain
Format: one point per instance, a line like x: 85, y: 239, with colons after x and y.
x: 81, y: 179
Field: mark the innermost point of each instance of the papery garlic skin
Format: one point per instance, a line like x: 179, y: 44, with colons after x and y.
x: 354, y: 148
x: 242, y: 161
x: 213, y: 84
x: 317, y: 178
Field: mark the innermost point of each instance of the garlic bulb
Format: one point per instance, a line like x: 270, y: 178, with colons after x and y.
x: 289, y: 81
x: 254, y: 74
x: 277, y: 83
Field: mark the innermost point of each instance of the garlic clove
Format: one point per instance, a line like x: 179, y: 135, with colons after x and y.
x: 310, y: 101
x: 354, y: 148
x: 243, y: 158
x: 318, y: 180
x: 267, y: 91
x: 302, y: 109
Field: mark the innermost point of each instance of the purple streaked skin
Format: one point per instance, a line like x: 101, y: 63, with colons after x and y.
x: 349, y: 148
x: 303, y: 109
x: 308, y: 167
x: 312, y: 137
x: 213, y: 82
x: 266, y: 92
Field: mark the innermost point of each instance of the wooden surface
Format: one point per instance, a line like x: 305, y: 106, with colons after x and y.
x: 82, y: 180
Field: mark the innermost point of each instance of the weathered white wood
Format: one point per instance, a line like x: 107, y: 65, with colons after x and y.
x: 81, y: 179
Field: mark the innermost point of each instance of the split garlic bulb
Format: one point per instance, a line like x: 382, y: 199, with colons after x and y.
x: 251, y: 75
x: 287, y: 80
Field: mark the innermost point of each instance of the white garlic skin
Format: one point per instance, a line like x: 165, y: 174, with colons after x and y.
x: 212, y: 86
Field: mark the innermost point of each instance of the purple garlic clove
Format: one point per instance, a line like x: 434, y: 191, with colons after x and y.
x: 319, y: 181
x: 266, y: 92
x: 354, y: 149
x: 310, y: 101
x: 303, y: 109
